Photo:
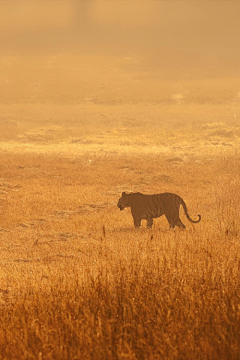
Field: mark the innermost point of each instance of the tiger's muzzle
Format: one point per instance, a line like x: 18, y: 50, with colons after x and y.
x: 121, y: 207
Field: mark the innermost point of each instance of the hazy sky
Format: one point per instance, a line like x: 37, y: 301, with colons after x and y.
x: 180, y: 34
x: 119, y: 24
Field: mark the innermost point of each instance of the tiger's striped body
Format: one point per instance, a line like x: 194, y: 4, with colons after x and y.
x: 150, y: 207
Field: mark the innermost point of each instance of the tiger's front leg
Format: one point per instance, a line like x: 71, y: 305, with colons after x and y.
x: 137, y: 222
x: 149, y: 223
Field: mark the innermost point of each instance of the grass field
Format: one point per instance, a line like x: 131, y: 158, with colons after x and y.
x: 77, y: 281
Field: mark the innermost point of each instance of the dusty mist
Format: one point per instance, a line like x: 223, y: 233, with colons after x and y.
x: 100, y: 97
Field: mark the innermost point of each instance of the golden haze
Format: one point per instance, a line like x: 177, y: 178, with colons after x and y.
x: 103, y: 97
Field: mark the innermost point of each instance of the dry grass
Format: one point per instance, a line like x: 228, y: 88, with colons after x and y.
x: 77, y: 281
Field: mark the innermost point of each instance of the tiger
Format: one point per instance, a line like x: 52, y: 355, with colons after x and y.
x: 153, y: 206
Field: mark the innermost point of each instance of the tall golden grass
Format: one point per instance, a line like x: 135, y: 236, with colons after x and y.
x: 77, y: 281
x: 152, y: 295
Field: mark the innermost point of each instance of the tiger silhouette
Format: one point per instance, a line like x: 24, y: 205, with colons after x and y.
x: 153, y: 206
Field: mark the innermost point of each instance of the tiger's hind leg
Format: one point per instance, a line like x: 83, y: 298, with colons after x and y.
x: 174, y: 220
x: 169, y: 219
x: 180, y: 224
x: 149, y: 223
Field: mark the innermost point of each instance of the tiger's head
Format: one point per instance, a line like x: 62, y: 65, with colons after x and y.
x: 124, y: 201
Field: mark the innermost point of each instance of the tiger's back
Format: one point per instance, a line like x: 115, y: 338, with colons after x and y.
x: 153, y: 206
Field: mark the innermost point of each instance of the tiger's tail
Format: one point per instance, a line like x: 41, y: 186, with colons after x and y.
x: 186, y: 213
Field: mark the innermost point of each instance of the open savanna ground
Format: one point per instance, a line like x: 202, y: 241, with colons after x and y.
x: 99, y: 98
x: 77, y: 281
